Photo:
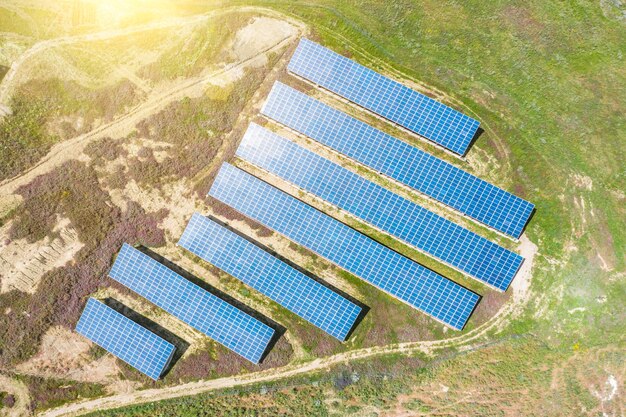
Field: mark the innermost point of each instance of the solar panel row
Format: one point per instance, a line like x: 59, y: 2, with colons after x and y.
x: 388, y: 98
x: 399, y: 276
x: 127, y: 340
x: 408, y: 221
x: 255, y: 267
x: 191, y: 304
x: 404, y: 163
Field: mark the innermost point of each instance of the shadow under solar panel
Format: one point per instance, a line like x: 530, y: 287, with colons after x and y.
x: 391, y: 272
x: 191, y: 304
x: 270, y: 276
x: 129, y: 341
x: 417, y: 226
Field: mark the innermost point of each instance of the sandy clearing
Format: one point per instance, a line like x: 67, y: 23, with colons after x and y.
x: 176, y: 197
x: 23, y: 264
x: 582, y: 181
x: 64, y: 354
x: 259, y: 35
x: 22, y: 398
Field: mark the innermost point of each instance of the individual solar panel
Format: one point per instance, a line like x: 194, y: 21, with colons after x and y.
x: 191, y: 304
x: 417, y: 286
x: 127, y: 340
x: 406, y: 164
x: 381, y: 95
x: 255, y: 267
x: 427, y: 231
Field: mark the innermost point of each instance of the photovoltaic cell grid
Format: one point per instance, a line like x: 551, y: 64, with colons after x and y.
x: 399, y: 276
x: 191, y: 304
x: 127, y: 340
x: 415, y: 168
x: 380, y: 207
x: 388, y: 98
x: 288, y: 287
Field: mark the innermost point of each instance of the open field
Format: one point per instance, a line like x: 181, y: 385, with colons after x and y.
x: 136, y: 118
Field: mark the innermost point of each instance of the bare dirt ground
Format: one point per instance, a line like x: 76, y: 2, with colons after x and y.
x: 521, y: 296
x: 64, y: 354
x: 20, y: 392
x: 23, y: 264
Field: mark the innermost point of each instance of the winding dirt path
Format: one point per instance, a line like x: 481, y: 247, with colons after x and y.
x: 7, y: 81
x: 73, y: 148
x: 521, y: 295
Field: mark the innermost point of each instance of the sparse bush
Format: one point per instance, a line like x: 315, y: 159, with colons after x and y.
x: 8, y: 400
x: 71, y: 190
x: 49, y: 392
x: 23, y: 136
x: 105, y: 149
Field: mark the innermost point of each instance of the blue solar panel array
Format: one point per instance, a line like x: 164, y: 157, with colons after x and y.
x: 288, y: 287
x: 417, y: 169
x: 388, y: 98
x: 349, y: 249
x: 191, y: 304
x: 380, y: 207
x: 129, y: 341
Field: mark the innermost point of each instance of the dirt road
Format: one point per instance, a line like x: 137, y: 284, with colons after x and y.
x: 521, y: 295
x: 73, y: 148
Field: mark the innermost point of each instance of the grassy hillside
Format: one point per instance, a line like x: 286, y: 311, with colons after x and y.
x: 547, y: 80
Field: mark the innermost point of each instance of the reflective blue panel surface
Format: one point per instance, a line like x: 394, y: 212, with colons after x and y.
x: 427, y: 231
x: 399, y: 276
x: 404, y: 163
x: 191, y: 304
x: 288, y: 287
x: 129, y: 341
x: 388, y: 98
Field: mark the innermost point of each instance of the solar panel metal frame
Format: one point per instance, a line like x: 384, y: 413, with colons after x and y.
x: 258, y: 269
x: 383, y: 96
x: 387, y: 270
x: 125, y: 339
x: 410, y: 166
x: 205, y: 312
x: 430, y: 233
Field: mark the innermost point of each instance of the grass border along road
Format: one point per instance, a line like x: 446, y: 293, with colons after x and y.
x: 521, y: 296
